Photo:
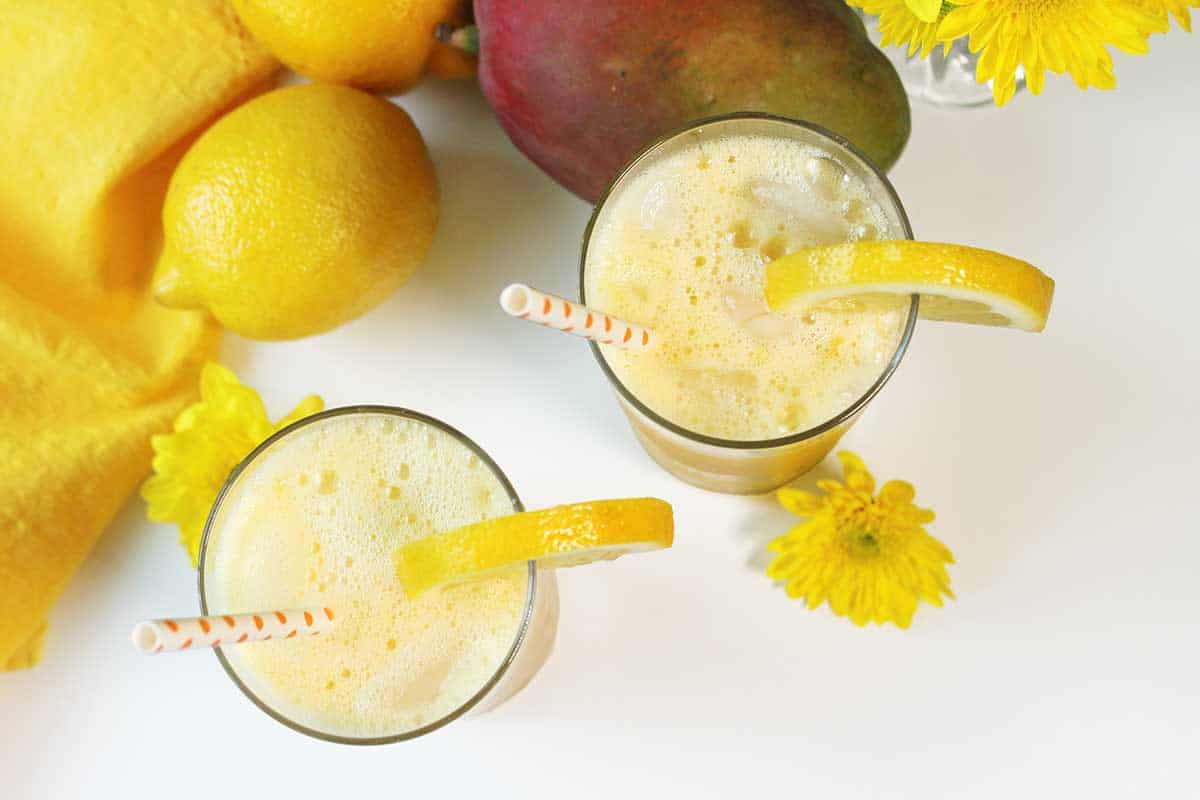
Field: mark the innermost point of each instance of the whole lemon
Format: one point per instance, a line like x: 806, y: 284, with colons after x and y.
x: 297, y: 211
x: 373, y: 44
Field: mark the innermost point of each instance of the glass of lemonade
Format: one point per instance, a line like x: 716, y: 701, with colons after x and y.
x: 734, y: 398
x: 313, y: 517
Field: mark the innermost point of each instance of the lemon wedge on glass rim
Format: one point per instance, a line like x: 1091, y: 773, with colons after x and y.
x: 563, y: 536
x: 956, y: 283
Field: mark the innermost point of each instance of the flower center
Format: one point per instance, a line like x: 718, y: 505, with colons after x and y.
x: 865, y: 542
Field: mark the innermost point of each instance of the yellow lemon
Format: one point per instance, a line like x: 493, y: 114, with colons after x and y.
x: 373, y: 44
x: 563, y: 536
x: 296, y: 212
x: 956, y: 283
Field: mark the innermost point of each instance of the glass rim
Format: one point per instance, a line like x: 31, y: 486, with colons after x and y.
x: 782, y: 441
x: 530, y: 590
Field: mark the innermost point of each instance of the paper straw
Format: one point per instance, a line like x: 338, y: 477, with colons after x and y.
x: 561, y: 314
x: 170, y: 635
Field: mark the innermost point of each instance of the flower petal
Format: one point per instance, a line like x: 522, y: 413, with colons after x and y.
x: 306, y: 408
x: 801, y: 503
x: 925, y: 10
x: 830, y: 486
x: 954, y: 25
x: 858, y: 478
x: 895, y: 493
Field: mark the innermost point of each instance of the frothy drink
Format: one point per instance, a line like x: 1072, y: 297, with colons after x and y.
x: 680, y: 245
x: 315, y: 520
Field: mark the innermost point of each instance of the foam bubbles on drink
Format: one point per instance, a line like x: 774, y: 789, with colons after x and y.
x: 682, y: 247
x: 390, y: 665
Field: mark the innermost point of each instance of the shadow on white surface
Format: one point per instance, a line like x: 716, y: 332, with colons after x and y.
x: 766, y: 520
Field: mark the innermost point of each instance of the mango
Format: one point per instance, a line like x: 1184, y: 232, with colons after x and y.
x: 581, y: 86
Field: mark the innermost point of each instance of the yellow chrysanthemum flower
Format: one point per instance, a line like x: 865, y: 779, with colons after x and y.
x: 209, y: 440
x: 869, y: 557
x: 901, y: 25
x: 1058, y: 35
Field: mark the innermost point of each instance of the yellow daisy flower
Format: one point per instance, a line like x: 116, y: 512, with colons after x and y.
x: 209, y: 440
x: 1059, y: 35
x: 867, y: 556
x: 900, y: 25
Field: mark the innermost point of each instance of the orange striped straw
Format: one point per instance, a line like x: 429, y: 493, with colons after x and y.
x: 171, y: 635
x: 561, y: 314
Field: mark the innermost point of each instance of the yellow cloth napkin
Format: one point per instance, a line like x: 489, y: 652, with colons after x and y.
x: 97, y: 103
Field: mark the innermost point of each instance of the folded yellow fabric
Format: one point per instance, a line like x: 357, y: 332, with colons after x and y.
x: 98, y: 102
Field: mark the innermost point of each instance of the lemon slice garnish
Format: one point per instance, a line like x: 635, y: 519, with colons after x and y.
x: 956, y: 283
x: 563, y: 536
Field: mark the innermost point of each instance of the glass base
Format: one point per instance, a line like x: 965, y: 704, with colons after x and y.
x: 941, y: 80
x: 728, y: 470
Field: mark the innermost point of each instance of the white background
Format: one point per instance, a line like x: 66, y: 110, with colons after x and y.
x: 1062, y: 466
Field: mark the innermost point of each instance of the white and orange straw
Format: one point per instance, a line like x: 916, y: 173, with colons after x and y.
x: 171, y: 635
x: 552, y: 311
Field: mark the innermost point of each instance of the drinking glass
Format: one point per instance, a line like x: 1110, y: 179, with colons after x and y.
x: 531, y: 643
x: 729, y: 465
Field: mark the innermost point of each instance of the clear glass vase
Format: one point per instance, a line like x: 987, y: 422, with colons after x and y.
x: 942, y: 80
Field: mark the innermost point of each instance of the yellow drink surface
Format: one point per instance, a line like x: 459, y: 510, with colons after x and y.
x: 315, y: 521
x: 681, y: 247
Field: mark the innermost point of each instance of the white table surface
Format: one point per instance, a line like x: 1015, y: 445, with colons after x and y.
x: 1063, y: 468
